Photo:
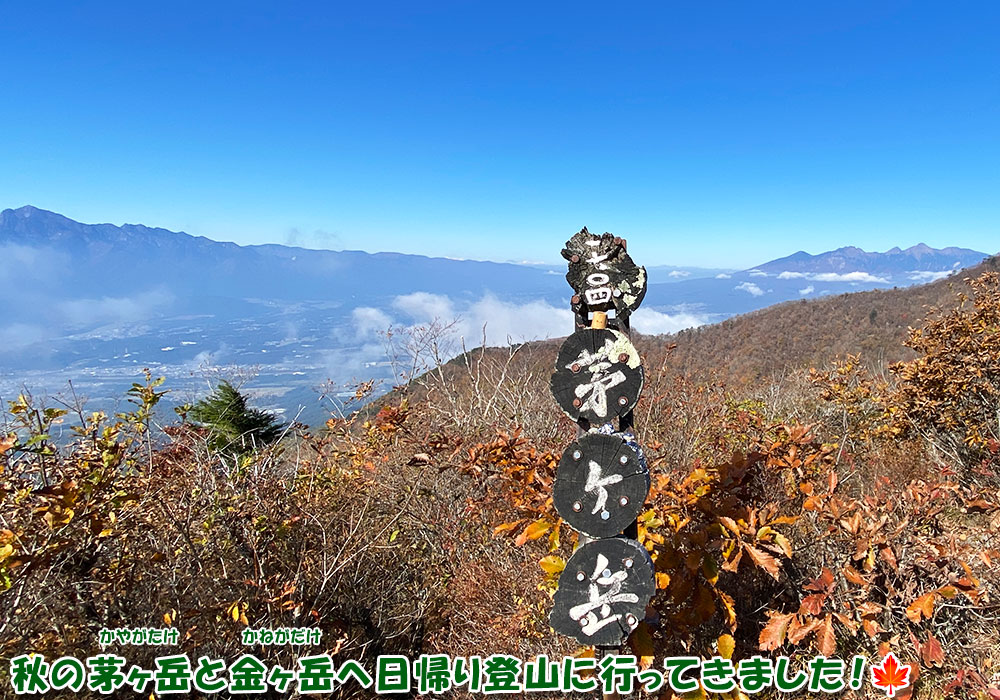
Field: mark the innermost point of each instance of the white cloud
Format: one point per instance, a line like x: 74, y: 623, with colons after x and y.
x: 758, y: 273
x: 505, y: 322
x: 208, y: 358
x: 723, y: 276
x: 368, y: 320
x: 26, y: 274
x: 424, y: 307
x: 750, y: 288
x: 808, y: 290
x: 848, y: 277
x: 678, y: 273
x: 832, y: 276
x: 508, y: 322
x: 928, y: 275
x: 652, y: 322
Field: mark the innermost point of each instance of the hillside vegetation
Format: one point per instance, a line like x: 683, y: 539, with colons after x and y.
x: 802, y: 334
x: 824, y: 481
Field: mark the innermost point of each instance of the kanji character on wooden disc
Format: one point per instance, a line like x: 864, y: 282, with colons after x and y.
x: 598, y: 376
x: 602, y: 274
x: 601, y: 485
x: 603, y: 592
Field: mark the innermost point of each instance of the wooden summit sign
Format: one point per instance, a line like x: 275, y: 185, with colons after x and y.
x: 598, y: 376
x: 602, y: 481
x: 601, y: 484
x: 603, y: 275
x: 603, y: 592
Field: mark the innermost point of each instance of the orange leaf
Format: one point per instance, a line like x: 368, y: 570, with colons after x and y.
x: 533, y: 531
x: 773, y: 634
x: 812, y: 604
x: 823, y: 583
x: 730, y: 524
x: 826, y: 642
x: 763, y: 560
x: 924, y: 605
x: 507, y: 527
x: 854, y: 576
x: 797, y: 631
x: 729, y: 605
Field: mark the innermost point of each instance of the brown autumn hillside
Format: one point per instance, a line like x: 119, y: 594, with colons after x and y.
x: 811, y: 333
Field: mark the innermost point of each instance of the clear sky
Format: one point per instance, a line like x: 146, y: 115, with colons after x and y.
x: 707, y: 133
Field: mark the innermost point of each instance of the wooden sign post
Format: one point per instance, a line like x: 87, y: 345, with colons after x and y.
x: 602, y: 480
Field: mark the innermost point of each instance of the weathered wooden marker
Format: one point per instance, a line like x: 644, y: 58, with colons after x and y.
x: 602, y: 481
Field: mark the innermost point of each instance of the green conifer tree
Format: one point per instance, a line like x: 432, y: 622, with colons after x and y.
x: 234, y: 426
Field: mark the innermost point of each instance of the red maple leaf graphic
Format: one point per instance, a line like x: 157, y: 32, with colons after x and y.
x: 890, y: 675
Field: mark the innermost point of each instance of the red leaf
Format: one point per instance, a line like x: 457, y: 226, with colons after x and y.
x: 823, y: 584
x: 890, y: 676
x: 931, y: 652
x: 812, y: 604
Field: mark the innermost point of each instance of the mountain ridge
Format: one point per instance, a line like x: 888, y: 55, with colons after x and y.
x: 917, y: 258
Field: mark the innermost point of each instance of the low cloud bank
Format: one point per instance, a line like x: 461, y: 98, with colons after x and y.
x: 856, y: 276
x: 496, y: 321
x: 848, y: 277
x: 929, y: 275
x: 750, y: 288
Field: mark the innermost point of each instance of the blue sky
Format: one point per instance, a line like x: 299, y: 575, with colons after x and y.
x: 707, y: 133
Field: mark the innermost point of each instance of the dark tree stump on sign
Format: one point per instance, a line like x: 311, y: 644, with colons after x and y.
x: 601, y: 485
x: 603, y: 275
x: 603, y: 592
x: 598, y: 376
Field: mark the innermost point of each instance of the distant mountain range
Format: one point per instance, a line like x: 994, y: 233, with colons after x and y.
x: 911, y: 262
x: 131, y: 257
x: 97, y: 302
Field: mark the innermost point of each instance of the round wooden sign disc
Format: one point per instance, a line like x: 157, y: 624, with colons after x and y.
x: 601, y: 485
x: 598, y: 376
x: 603, y: 592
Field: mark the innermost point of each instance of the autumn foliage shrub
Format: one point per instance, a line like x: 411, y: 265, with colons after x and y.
x: 118, y: 531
